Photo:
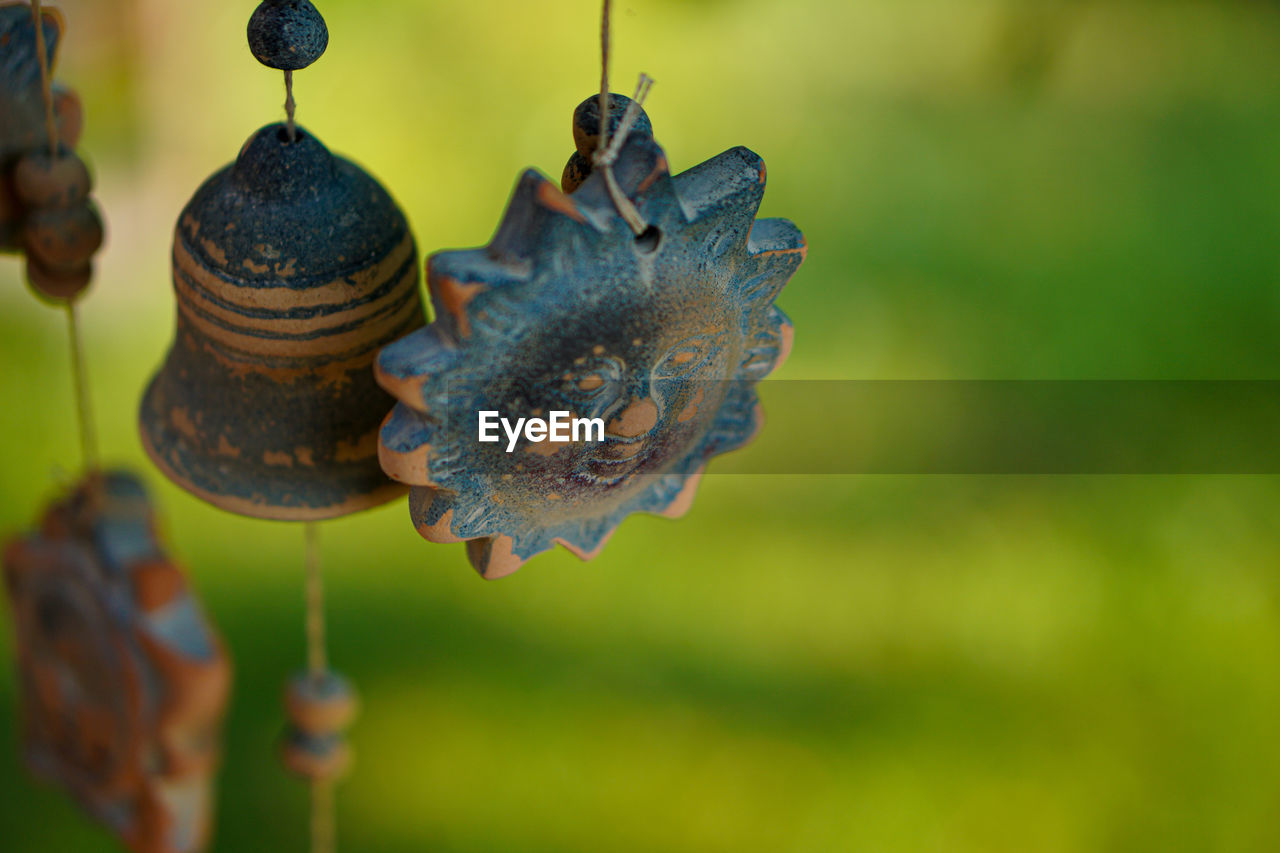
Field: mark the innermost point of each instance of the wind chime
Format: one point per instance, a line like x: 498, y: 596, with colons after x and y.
x: 302, y: 383
x: 123, y: 681
x: 292, y: 267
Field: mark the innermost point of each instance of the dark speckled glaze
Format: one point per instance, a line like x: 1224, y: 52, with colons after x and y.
x: 662, y: 337
x: 287, y: 34
x: 291, y: 268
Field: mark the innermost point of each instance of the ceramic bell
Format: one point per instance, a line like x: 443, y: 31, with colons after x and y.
x: 292, y: 267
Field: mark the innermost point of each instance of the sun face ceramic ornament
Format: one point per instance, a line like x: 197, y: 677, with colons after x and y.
x: 661, y: 337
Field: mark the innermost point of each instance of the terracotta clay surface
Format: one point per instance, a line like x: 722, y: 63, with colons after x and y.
x: 663, y: 337
x: 123, y: 681
x: 22, y: 112
x: 291, y: 268
x: 320, y: 709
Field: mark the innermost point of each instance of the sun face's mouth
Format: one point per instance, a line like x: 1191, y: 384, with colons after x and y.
x: 613, y: 460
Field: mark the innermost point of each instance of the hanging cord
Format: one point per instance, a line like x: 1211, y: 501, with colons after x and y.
x: 317, y: 658
x: 323, y: 834
x: 323, y: 831
x: 79, y: 375
x: 290, y: 106
x: 607, y: 153
x: 46, y: 80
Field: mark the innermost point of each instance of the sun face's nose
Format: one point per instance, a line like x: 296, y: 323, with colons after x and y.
x: 636, y: 419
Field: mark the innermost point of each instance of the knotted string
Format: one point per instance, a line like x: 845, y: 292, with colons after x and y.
x: 606, y: 153
x: 79, y: 375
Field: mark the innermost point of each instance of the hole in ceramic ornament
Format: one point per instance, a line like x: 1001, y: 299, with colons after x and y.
x: 648, y: 240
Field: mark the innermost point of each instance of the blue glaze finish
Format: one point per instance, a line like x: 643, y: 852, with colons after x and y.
x: 287, y: 35
x: 291, y: 268
x: 662, y: 337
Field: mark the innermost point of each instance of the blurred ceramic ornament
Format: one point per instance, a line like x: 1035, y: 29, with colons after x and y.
x: 291, y: 268
x: 662, y: 336
x: 123, y: 680
x: 22, y: 110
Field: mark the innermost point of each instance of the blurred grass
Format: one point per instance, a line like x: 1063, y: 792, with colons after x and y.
x: 989, y: 190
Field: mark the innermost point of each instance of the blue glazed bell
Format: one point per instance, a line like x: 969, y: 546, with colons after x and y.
x: 291, y: 268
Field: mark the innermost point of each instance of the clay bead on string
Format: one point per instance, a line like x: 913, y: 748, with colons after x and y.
x: 24, y: 119
x: 287, y: 35
x: 123, y: 680
x: 320, y: 705
x: 45, y: 206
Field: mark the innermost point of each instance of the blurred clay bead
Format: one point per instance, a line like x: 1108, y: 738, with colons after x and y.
x: 59, y: 284
x: 287, y: 34
x: 586, y: 122
x: 320, y: 706
x: 62, y: 237
x: 319, y: 759
x: 575, y: 172
x: 43, y: 181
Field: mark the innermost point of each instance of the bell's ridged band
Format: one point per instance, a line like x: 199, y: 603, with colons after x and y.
x: 258, y: 321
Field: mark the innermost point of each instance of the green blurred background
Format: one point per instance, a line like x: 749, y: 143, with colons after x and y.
x: 990, y: 190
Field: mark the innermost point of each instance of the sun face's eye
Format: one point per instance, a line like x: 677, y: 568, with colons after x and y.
x: 592, y: 383
x: 591, y: 387
x: 688, y: 356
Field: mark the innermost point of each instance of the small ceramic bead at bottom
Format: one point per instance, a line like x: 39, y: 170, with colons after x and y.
x: 576, y: 171
x: 44, y: 181
x: 63, y: 237
x: 320, y: 705
x: 62, y: 284
x: 320, y: 759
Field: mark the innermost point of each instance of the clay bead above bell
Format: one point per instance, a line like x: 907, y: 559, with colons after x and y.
x: 292, y: 267
x: 287, y: 35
